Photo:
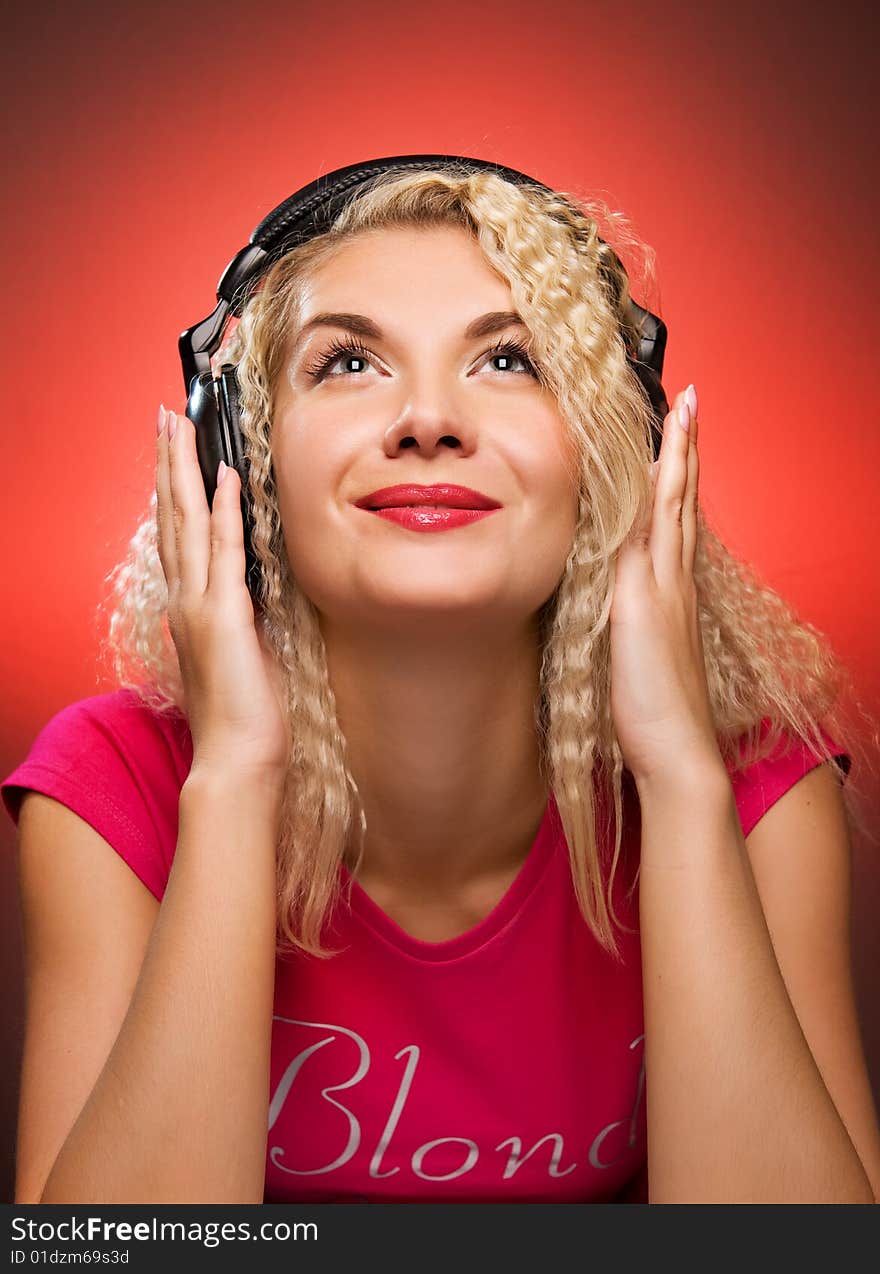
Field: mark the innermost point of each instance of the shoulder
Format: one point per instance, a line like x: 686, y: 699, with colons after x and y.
x: 123, y: 719
x: 119, y: 765
x: 104, y: 735
x: 760, y: 785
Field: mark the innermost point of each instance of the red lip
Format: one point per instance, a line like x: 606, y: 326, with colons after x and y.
x: 448, y: 495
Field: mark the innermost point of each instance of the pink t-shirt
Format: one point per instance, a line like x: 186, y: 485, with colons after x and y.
x: 503, y: 1065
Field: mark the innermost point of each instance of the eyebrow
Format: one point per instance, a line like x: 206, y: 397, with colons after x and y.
x: 361, y: 325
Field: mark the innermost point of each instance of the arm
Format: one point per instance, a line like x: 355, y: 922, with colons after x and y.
x: 179, y: 1112
x: 737, y: 1108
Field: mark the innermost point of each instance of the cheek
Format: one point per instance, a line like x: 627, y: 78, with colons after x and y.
x: 553, y: 485
x: 548, y: 530
x: 554, y: 537
x: 311, y: 454
x: 306, y: 479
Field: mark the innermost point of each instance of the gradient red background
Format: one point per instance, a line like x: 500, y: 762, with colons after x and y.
x: 148, y: 141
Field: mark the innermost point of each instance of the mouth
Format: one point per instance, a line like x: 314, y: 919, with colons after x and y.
x: 429, y: 517
x: 446, y: 496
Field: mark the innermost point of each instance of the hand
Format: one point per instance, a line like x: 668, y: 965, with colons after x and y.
x: 660, y: 700
x: 233, y: 686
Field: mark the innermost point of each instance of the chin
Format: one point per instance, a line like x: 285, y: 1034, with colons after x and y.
x: 423, y: 610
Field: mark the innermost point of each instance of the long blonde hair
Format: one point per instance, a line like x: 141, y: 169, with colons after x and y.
x: 765, y: 666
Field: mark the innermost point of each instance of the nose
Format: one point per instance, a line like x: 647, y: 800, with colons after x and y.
x: 428, y: 424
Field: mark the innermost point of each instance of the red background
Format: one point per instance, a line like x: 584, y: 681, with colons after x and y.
x: 148, y: 141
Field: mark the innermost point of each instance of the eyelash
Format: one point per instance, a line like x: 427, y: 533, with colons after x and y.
x: 338, y: 347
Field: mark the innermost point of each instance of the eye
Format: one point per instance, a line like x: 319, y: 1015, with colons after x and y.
x: 339, y: 349
x: 515, y: 350
x: 335, y: 351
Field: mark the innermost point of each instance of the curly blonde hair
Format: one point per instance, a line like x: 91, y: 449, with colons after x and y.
x: 768, y: 671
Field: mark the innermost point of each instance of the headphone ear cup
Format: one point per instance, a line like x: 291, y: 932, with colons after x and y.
x: 229, y: 397
x: 202, y: 408
x: 212, y: 406
x: 235, y: 455
x: 647, y: 363
x: 653, y: 390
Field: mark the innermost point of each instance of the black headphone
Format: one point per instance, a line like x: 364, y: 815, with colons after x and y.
x: 212, y: 402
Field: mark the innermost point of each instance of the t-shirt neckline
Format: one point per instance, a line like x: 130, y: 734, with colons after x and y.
x: 504, y: 911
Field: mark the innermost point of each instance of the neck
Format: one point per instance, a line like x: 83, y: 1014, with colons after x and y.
x: 442, y: 743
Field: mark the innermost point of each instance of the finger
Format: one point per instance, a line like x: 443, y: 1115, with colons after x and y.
x: 691, y: 500
x: 665, y: 540
x: 192, y: 519
x: 165, y: 538
x: 227, y: 562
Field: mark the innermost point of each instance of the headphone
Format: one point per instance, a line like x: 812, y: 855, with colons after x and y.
x: 213, y: 401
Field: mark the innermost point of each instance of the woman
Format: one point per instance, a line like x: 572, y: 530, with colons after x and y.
x: 492, y: 877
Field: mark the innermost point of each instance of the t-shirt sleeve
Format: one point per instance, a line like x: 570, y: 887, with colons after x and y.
x: 120, y: 767
x: 761, y: 784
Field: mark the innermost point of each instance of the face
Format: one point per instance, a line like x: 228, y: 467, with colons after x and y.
x: 425, y: 403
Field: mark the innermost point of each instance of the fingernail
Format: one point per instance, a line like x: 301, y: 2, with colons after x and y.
x: 161, y: 419
x: 684, y: 416
x: 691, y: 395
x: 172, y: 424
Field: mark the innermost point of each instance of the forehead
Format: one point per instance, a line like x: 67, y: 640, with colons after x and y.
x: 395, y: 260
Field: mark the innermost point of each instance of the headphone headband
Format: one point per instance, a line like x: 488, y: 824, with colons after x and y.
x: 314, y: 208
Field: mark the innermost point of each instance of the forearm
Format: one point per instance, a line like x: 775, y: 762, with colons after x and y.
x: 736, y: 1107
x: 180, y: 1111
